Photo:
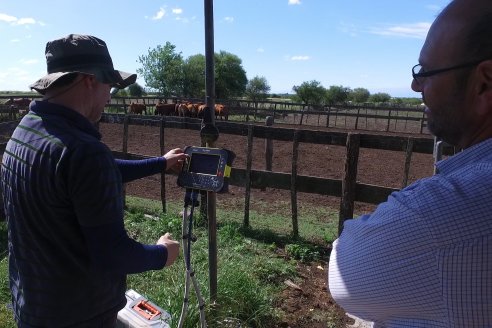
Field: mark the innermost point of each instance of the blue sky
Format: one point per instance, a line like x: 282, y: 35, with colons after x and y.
x: 354, y: 43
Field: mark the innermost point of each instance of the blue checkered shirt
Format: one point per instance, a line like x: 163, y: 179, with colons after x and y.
x: 423, y: 258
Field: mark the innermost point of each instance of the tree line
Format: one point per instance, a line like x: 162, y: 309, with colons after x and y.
x: 166, y: 72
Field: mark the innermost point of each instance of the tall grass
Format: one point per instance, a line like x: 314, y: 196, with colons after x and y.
x: 250, y: 271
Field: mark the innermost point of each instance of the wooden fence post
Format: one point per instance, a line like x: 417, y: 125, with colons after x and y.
x: 268, y: 148
x: 163, y: 173
x: 328, y: 117
x: 408, y: 158
x: 349, y: 181
x: 293, y: 184
x: 249, y: 161
x: 357, y: 118
x: 125, y: 152
x: 389, y: 121
x: 422, y: 120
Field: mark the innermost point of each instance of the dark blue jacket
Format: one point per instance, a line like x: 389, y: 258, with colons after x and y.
x: 68, y: 250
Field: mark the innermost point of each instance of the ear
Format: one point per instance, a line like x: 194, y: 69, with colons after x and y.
x: 89, y: 81
x: 484, y: 87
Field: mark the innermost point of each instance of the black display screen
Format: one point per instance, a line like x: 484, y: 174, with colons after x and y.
x: 204, y: 163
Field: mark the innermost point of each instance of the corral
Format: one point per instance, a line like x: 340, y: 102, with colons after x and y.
x: 375, y: 166
x: 378, y: 167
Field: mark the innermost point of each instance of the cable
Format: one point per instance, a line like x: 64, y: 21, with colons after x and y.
x: 191, y: 197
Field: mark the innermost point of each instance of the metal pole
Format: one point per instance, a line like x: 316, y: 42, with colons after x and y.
x: 210, y: 142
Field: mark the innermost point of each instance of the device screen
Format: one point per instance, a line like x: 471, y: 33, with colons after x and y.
x: 204, y: 163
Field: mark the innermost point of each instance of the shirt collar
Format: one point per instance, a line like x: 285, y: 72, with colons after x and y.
x: 66, y: 113
x: 477, y: 153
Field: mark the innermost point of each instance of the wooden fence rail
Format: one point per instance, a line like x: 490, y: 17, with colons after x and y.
x: 348, y: 189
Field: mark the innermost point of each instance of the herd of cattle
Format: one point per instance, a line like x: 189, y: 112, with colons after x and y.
x: 20, y: 103
x: 185, y: 109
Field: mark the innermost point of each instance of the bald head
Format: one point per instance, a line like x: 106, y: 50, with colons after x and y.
x: 469, y: 24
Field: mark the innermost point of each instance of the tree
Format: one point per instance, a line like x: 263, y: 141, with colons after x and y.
x: 230, y: 76
x: 162, y: 70
x: 337, y: 94
x: 257, y: 89
x: 380, y: 97
x: 194, y: 76
x: 360, y: 95
x: 310, y: 93
x: 136, y: 90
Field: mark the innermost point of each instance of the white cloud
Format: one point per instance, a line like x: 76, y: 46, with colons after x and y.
x: 299, y: 58
x: 29, y: 61
x: 25, y: 21
x: 294, y: 2
x: 14, y: 78
x: 17, y: 21
x: 177, y: 11
x: 417, y: 30
x: 260, y: 50
x: 7, y: 18
x: 349, y: 29
x: 229, y: 19
x: 160, y: 14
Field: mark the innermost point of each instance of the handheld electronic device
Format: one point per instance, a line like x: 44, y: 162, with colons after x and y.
x: 206, y: 169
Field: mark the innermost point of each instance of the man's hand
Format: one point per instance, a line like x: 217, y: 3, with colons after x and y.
x: 172, y: 248
x: 174, y: 160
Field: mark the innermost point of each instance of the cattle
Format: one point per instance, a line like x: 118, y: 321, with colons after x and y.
x: 165, y: 109
x: 136, y: 108
x: 19, y: 103
x: 183, y: 110
x: 201, y: 108
x: 221, y: 112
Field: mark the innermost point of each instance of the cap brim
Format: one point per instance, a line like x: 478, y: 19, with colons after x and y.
x: 115, y: 78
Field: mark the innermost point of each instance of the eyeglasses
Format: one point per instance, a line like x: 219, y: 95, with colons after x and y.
x: 418, y: 73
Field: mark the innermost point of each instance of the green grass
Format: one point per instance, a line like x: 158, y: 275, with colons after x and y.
x: 250, y: 271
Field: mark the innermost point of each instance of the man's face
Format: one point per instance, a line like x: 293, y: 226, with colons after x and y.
x: 444, y: 94
x: 101, y: 97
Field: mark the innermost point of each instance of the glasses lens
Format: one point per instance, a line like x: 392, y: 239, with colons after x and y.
x: 114, y: 91
x: 415, y: 71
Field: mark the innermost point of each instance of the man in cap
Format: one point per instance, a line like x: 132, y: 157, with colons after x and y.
x: 69, y: 253
x: 424, y: 257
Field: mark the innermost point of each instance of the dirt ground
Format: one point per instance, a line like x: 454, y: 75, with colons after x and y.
x: 310, y: 305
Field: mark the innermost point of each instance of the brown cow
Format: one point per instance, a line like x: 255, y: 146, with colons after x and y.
x: 183, y: 110
x: 165, y: 109
x: 222, y: 112
x: 201, y: 108
x: 136, y: 108
x: 20, y: 103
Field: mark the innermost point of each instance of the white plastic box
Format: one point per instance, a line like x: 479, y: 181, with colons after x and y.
x: 139, y: 312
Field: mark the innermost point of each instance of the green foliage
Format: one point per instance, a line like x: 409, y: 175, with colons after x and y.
x: 136, y: 90
x: 194, y: 76
x: 310, y: 93
x: 122, y: 92
x: 250, y: 273
x: 162, y: 69
x: 6, y: 314
x: 360, y: 95
x: 380, y: 97
x: 257, y: 88
x: 230, y: 76
x: 337, y: 94
x: 303, y: 252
